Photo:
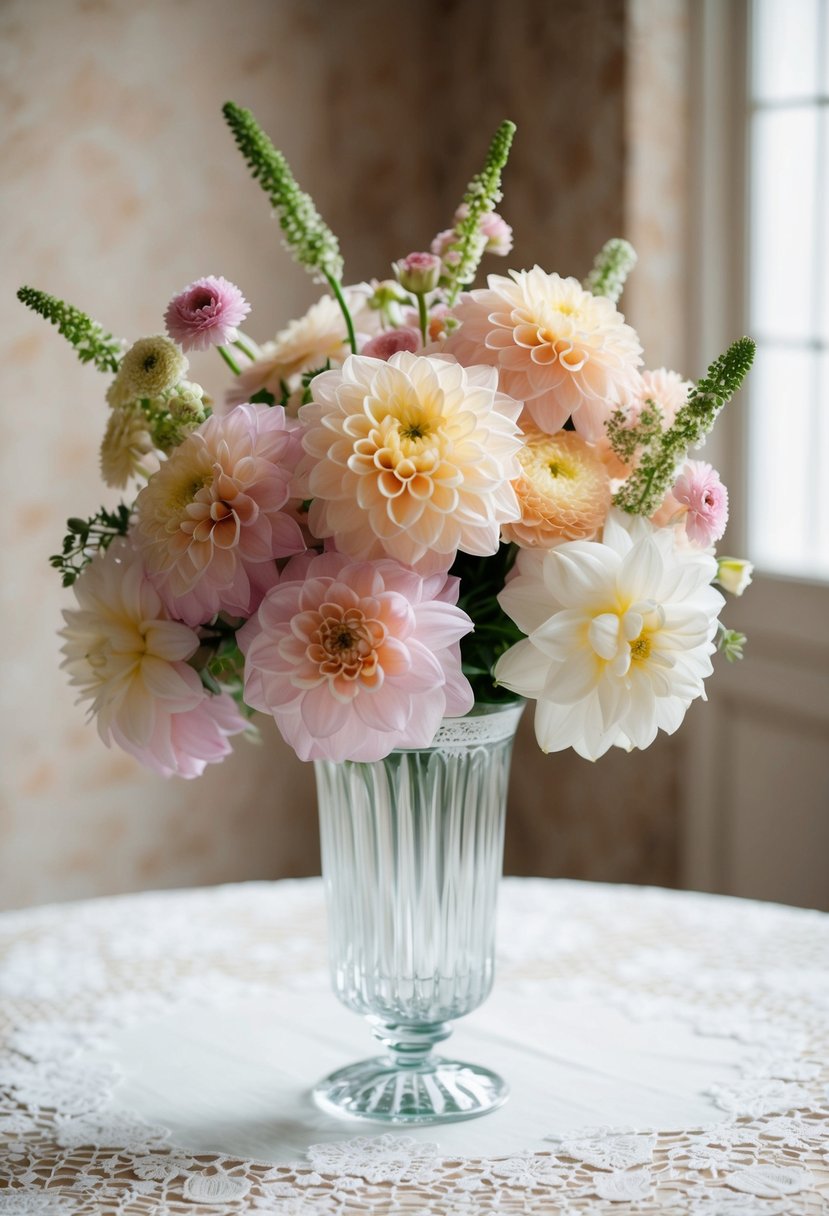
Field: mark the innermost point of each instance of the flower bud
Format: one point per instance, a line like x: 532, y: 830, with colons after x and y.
x: 734, y: 573
x: 418, y: 272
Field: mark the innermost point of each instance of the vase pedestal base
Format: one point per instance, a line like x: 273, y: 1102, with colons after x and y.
x: 438, y: 1091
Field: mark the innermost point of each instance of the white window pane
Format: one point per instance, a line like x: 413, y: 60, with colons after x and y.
x: 823, y: 214
x: 783, y: 242
x: 781, y: 442
x: 786, y: 34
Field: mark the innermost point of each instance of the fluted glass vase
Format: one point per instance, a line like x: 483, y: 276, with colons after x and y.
x: 412, y: 850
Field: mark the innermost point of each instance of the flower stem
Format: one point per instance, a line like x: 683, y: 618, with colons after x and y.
x: 229, y: 360
x: 340, y: 298
x: 245, y: 349
x: 423, y: 314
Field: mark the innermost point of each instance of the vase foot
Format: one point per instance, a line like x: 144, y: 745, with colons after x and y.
x: 437, y: 1091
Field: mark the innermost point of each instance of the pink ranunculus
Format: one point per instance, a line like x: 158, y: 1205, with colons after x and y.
x: 354, y: 659
x: 418, y: 272
x: 207, y: 313
x: 212, y: 520
x: 698, y: 501
x: 388, y: 343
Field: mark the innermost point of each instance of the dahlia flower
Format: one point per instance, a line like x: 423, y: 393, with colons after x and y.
x: 698, y: 501
x: 150, y: 368
x: 129, y: 662
x: 306, y: 343
x: 126, y: 444
x: 211, y: 521
x: 620, y: 636
x: 558, y: 348
x: 410, y: 459
x: 207, y: 313
x: 354, y: 659
x: 563, y: 491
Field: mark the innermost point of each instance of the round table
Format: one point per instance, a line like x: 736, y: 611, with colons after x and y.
x: 667, y: 1053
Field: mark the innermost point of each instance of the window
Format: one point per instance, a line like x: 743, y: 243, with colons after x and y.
x: 788, y: 288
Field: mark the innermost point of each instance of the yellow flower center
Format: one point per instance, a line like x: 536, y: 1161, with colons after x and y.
x: 344, y: 644
x: 640, y: 648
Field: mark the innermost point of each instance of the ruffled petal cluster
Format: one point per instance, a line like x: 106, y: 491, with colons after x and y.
x: 698, y: 503
x: 354, y: 659
x: 558, y: 348
x: 129, y: 661
x: 563, y: 491
x: 126, y: 444
x: 211, y: 522
x: 620, y: 637
x: 410, y: 458
x: 206, y: 313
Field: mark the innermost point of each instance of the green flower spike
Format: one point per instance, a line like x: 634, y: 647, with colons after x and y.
x: 91, y: 341
x: 613, y: 264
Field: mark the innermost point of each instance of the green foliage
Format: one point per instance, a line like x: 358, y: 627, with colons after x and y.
x: 90, y: 340
x: 481, y: 580
x: 731, y: 643
x: 625, y: 439
x: 85, y: 537
x: 463, y: 255
x: 306, y: 234
x: 613, y: 264
x: 644, y: 490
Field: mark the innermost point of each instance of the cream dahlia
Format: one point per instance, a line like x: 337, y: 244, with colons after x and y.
x: 129, y: 661
x: 309, y: 342
x: 353, y: 659
x: 557, y: 348
x: 211, y: 521
x: 410, y: 459
x: 126, y: 444
x: 620, y: 636
x: 563, y: 491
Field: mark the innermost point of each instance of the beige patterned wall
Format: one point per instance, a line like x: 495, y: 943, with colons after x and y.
x: 121, y: 184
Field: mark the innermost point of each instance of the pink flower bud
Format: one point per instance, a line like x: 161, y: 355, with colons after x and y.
x: 418, y: 272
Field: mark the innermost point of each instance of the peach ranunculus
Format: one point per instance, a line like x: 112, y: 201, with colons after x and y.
x: 130, y: 662
x: 410, y: 459
x: 211, y: 522
x: 563, y: 491
x: 354, y: 659
x: 558, y: 348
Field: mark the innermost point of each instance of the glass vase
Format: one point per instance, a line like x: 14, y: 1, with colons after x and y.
x: 412, y: 850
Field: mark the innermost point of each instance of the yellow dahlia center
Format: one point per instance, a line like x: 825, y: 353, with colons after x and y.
x: 640, y: 648
x: 188, y: 488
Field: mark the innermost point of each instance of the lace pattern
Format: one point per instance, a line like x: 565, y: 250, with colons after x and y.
x: 71, y: 976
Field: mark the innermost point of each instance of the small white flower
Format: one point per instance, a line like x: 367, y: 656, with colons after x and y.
x: 734, y: 573
x: 620, y: 636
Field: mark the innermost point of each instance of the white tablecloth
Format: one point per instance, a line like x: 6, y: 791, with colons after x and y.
x: 667, y: 1052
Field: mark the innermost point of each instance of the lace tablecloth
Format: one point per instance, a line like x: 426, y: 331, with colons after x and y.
x: 667, y: 1054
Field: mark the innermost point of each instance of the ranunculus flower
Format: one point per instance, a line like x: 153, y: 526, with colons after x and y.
x: 563, y: 491
x: 207, y: 313
x: 620, y: 636
x: 211, y: 522
x: 390, y: 341
x: 354, y: 659
x: 129, y: 660
x: 410, y: 459
x: 698, y: 501
x: 558, y: 348
x: 418, y: 272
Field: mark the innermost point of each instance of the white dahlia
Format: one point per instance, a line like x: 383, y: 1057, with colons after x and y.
x: 410, y: 458
x: 620, y: 636
x: 126, y: 444
x: 557, y: 347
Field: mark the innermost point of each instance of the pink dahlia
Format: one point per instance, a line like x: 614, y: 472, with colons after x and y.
x: 699, y: 501
x: 211, y: 522
x: 207, y: 313
x: 410, y: 459
x: 557, y: 347
x: 129, y: 661
x: 354, y: 659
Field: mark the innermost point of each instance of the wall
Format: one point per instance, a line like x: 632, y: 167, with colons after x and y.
x: 121, y: 185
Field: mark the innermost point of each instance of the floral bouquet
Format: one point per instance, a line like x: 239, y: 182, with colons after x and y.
x: 419, y: 495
